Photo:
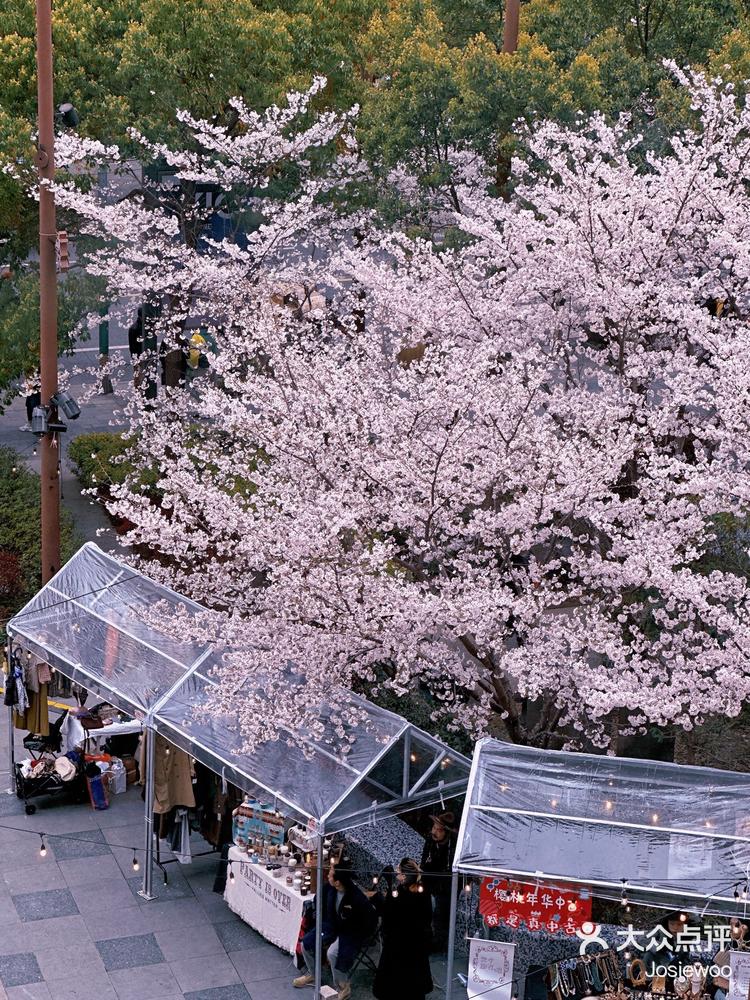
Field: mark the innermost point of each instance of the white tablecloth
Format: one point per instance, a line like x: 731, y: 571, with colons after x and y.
x: 268, y: 904
x: 98, y: 736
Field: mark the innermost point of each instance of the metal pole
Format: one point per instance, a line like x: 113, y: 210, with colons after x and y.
x: 451, y: 937
x: 104, y: 348
x: 510, y: 25
x: 11, y: 733
x: 47, y: 287
x: 405, y: 784
x: 12, y: 754
x: 148, y: 861
x: 319, y: 923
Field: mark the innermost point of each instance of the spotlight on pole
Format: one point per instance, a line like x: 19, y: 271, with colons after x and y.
x: 65, y: 402
x: 39, y: 421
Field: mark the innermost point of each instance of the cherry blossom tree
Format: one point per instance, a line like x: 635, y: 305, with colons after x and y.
x: 491, y: 468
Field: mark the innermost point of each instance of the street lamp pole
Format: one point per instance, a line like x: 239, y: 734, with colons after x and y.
x: 510, y: 25
x: 50, y: 481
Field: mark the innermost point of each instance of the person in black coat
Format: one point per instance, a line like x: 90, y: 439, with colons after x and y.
x: 406, y: 915
x: 437, y: 859
x: 349, y: 920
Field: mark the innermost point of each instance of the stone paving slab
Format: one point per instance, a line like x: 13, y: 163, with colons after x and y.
x: 89, y: 843
x: 151, y: 982
x: 130, y: 952
x: 19, y: 969
x: 45, y: 904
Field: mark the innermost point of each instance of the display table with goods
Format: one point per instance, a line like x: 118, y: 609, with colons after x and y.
x: 271, y: 873
x: 267, y: 896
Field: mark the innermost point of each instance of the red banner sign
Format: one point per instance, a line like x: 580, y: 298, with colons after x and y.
x: 537, y: 907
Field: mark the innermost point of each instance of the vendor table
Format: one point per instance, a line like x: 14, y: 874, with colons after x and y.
x: 97, y: 736
x: 267, y: 904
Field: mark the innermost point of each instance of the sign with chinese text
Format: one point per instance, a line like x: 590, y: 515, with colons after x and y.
x: 490, y: 969
x: 537, y: 907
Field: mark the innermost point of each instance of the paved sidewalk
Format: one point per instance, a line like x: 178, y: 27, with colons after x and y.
x: 73, y: 928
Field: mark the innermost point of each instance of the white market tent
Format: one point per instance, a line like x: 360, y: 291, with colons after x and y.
x: 674, y: 836
x: 94, y: 623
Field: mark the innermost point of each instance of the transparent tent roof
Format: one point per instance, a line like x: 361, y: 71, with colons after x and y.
x: 91, y: 622
x: 671, y: 832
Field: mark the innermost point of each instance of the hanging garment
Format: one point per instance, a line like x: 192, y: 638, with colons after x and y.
x: 181, y: 838
x: 173, y: 775
x: 35, y: 717
x: 44, y: 672
x: 11, y: 694
x: 31, y: 674
x: 22, y: 698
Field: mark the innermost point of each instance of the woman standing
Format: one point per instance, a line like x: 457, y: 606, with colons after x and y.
x: 404, y: 967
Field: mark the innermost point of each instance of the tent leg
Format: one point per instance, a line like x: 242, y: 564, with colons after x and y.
x: 12, y: 754
x: 319, y: 924
x: 451, y: 937
x: 148, y: 860
x: 11, y: 741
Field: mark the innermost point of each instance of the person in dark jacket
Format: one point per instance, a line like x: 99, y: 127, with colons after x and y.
x: 437, y: 858
x: 406, y: 913
x: 349, y: 920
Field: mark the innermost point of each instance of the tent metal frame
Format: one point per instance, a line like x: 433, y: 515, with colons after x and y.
x: 422, y: 792
x: 634, y: 888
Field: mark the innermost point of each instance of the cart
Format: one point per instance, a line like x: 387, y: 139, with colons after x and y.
x: 49, y: 783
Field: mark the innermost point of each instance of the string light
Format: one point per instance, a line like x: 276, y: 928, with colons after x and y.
x: 413, y: 757
x: 375, y: 880
x: 43, y: 847
x: 394, y: 893
x: 624, y: 900
x: 608, y: 805
x: 655, y: 818
x: 553, y: 803
x: 736, y: 894
x: 467, y: 887
x: 683, y: 918
x: 744, y: 891
x: 136, y: 864
x: 231, y: 873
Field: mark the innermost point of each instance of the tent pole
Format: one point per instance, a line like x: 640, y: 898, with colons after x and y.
x: 148, y: 861
x: 319, y: 923
x: 451, y: 937
x: 12, y: 753
x: 11, y: 734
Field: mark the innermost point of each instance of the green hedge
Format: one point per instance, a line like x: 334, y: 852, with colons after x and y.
x: 20, y: 534
x: 102, y: 460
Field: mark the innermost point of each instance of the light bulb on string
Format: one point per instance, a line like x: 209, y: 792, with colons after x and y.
x: 231, y: 874
x: 683, y: 918
x: 624, y: 900
x: 375, y: 880
x: 744, y: 891
x: 608, y: 805
x: 42, y: 847
x: 136, y: 863
x: 467, y: 887
x: 394, y: 893
x: 736, y: 894
x: 655, y: 817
